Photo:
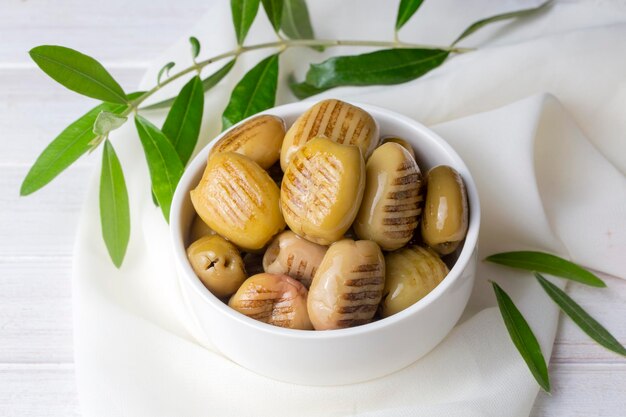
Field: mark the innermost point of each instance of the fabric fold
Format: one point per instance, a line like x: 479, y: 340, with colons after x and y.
x: 543, y: 177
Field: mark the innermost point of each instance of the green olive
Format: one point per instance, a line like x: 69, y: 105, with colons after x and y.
x: 391, y: 205
x: 260, y: 139
x: 199, y: 229
x: 274, y: 299
x: 333, y: 119
x: 322, y: 190
x: 239, y: 200
x: 412, y: 273
x: 445, y: 214
x: 218, y: 264
x: 406, y: 145
x: 347, y: 286
x: 291, y: 255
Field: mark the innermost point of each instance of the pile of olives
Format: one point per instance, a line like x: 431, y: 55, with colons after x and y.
x: 318, y: 227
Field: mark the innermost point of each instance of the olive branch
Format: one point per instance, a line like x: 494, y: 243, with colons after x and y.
x: 169, y: 148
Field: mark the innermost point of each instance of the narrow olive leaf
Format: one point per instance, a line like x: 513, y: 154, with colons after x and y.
x: 65, y: 149
x: 244, y: 12
x: 114, y: 209
x: 547, y: 264
x: 165, y: 70
x: 274, y: 11
x: 497, y: 18
x: 163, y: 162
x: 182, y: 125
x: 406, y: 9
x: 579, y: 316
x: 106, y: 122
x: 296, y: 22
x: 387, y: 66
x: 78, y: 72
x: 303, y: 90
x: 255, y: 92
x: 195, y: 46
x: 523, y: 337
x: 207, y: 84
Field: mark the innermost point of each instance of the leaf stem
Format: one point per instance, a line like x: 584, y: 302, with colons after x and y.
x: 282, y: 45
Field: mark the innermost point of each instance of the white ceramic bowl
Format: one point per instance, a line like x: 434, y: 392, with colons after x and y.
x: 344, y: 356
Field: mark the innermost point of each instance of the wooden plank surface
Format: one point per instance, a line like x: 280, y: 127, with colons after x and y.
x: 37, y: 232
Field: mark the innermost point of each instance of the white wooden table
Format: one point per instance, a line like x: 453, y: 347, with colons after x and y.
x: 37, y: 232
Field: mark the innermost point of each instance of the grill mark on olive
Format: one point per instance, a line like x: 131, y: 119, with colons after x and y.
x: 358, y: 130
x: 406, y: 179
x: 317, y: 121
x: 399, y: 234
x: 290, y: 262
x: 301, y: 268
x: 359, y: 308
x: 333, y: 120
x: 403, y: 194
x: 401, y: 208
x: 366, y: 267
x: 362, y: 282
x: 396, y: 221
x: 239, y: 134
x: 235, y: 216
x: 243, y: 182
x: 407, y: 164
x: 362, y: 295
x: 353, y: 322
x: 343, y: 132
x: 298, y: 136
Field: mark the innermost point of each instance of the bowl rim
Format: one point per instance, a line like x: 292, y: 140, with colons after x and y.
x: 198, y: 163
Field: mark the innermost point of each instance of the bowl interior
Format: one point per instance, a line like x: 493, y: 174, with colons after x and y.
x: 430, y: 151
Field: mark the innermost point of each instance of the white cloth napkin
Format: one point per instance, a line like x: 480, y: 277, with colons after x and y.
x: 538, y: 115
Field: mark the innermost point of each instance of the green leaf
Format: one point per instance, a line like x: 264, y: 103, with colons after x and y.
x: 244, y: 12
x: 547, y: 264
x: 579, y: 316
x: 406, y: 9
x: 207, y: 84
x: 296, y: 22
x: 165, y: 70
x: 254, y: 93
x: 195, y: 46
x: 523, y: 338
x: 504, y: 16
x: 65, y: 149
x: 387, y: 66
x: 182, y: 125
x: 106, y: 122
x: 274, y: 11
x: 163, y: 162
x: 303, y: 90
x: 114, y: 210
x: 217, y: 76
x: 78, y: 72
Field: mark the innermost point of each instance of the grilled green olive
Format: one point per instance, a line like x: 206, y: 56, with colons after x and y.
x: 260, y: 139
x: 199, y: 229
x: 289, y: 254
x: 239, y: 200
x: 391, y: 203
x: 338, y: 121
x: 412, y: 273
x: 445, y: 217
x: 348, y: 285
x: 406, y: 145
x: 273, y: 299
x: 218, y: 264
x: 322, y: 190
